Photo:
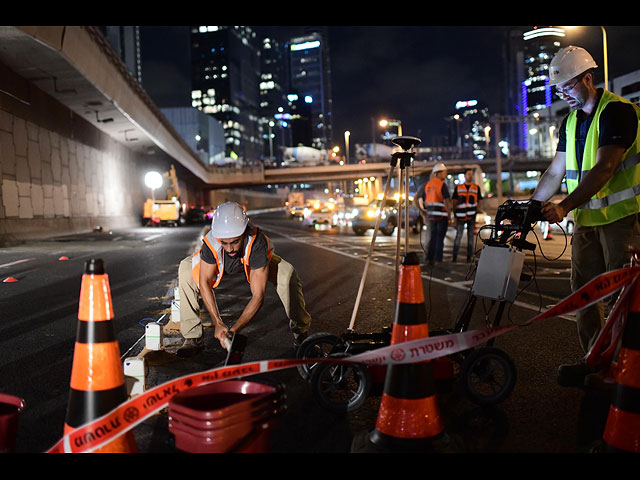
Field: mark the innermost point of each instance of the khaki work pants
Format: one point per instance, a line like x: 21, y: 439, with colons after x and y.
x: 282, y: 275
x: 594, y: 251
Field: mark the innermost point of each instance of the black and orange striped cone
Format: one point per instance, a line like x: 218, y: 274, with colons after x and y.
x: 97, y: 378
x: 622, y: 430
x: 409, y: 418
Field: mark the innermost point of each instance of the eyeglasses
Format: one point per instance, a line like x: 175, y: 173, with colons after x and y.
x: 566, y: 90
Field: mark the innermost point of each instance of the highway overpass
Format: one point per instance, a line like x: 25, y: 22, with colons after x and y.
x: 78, y: 133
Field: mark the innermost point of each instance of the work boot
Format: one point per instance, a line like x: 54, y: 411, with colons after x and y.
x: 573, y: 375
x: 190, y: 347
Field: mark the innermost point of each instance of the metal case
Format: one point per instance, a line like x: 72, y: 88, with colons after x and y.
x: 498, y: 273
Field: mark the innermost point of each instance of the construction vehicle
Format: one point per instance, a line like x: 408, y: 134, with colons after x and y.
x: 164, y: 212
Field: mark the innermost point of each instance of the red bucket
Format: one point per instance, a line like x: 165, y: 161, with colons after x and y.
x: 231, y: 416
x: 10, y: 408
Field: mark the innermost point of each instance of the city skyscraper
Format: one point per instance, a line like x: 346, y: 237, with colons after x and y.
x: 310, y: 77
x: 225, y: 77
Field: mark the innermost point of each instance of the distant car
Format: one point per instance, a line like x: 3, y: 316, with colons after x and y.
x: 319, y: 215
x: 297, y: 211
x: 194, y: 215
x: 364, y: 218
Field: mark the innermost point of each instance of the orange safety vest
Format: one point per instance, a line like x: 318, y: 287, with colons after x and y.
x: 216, y: 248
x: 467, y: 201
x: 434, y: 200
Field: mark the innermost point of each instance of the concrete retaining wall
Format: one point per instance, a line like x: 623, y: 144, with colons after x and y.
x: 59, y: 174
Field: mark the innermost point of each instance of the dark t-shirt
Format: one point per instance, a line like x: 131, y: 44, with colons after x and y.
x: 618, y: 126
x: 233, y: 265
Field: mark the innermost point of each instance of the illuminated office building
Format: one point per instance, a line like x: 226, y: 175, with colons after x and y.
x: 310, y: 76
x: 273, y: 100
x: 540, y: 44
x: 225, y: 73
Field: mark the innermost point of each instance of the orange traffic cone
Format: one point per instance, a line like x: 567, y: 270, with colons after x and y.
x: 97, y: 379
x: 622, y: 430
x: 409, y: 418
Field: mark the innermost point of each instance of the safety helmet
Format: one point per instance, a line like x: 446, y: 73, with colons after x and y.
x: 439, y: 167
x: 229, y: 220
x: 568, y: 63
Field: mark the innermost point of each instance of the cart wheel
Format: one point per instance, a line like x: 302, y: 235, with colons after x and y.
x: 340, y: 388
x: 488, y: 375
x: 317, y: 345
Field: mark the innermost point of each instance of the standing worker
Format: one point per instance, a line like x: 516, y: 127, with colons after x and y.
x: 235, y: 247
x: 467, y: 199
x: 435, y: 203
x: 598, y: 154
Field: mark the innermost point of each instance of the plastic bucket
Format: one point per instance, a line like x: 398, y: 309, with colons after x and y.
x: 248, y: 415
x: 241, y: 438
x: 10, y: 408
x: 231, y: 416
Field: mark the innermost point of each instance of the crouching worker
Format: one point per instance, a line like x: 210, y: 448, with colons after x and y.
x: 235, y: 247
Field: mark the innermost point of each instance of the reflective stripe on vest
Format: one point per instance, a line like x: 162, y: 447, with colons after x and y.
x: 216, y: 248
x: 433, y: 199
x: 620, y: 196
x: 467, y: 201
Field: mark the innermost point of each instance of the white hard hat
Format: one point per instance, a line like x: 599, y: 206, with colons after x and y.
x: 229, y: 220
x: 439, y: 167
x: 568, y: 63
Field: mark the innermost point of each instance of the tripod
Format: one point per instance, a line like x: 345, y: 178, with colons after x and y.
x: 404, y: 158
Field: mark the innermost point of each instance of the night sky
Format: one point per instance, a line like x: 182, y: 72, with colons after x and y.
x: 411, y: 73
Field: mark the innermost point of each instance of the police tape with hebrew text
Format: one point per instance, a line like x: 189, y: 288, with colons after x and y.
x: 99, y: 432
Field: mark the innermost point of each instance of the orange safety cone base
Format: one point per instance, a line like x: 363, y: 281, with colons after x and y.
x: 409, y: 418
x: 622, y: 432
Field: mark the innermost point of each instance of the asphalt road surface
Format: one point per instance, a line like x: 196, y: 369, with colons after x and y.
x: 39, y: 319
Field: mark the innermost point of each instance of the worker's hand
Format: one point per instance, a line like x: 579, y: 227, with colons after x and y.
x: 553, y: 212
x: 222, y: 334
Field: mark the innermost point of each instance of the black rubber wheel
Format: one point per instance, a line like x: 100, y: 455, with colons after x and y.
x: 340, y: 388
x: 317, y: 345
x: 488, y: 376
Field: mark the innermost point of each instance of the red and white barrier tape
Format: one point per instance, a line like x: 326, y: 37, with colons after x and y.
x: 126, y: 416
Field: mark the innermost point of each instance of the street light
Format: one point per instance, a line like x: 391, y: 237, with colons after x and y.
x: 346, y: 145
x: 606, y: 61
x: 153, y: 180
x: 393, y: 123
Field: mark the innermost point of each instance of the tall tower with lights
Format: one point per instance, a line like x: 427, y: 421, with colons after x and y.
x: 225, y: 75
x: 310, y: 78
x: 539, y: 46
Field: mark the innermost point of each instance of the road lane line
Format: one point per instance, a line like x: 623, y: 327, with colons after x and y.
x: 17, y: 262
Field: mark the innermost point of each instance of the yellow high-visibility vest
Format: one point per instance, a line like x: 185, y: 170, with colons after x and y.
x: 620, y: 196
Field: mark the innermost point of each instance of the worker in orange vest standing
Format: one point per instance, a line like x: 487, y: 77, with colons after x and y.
x: 466, y: 201
x: 435, y: 204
